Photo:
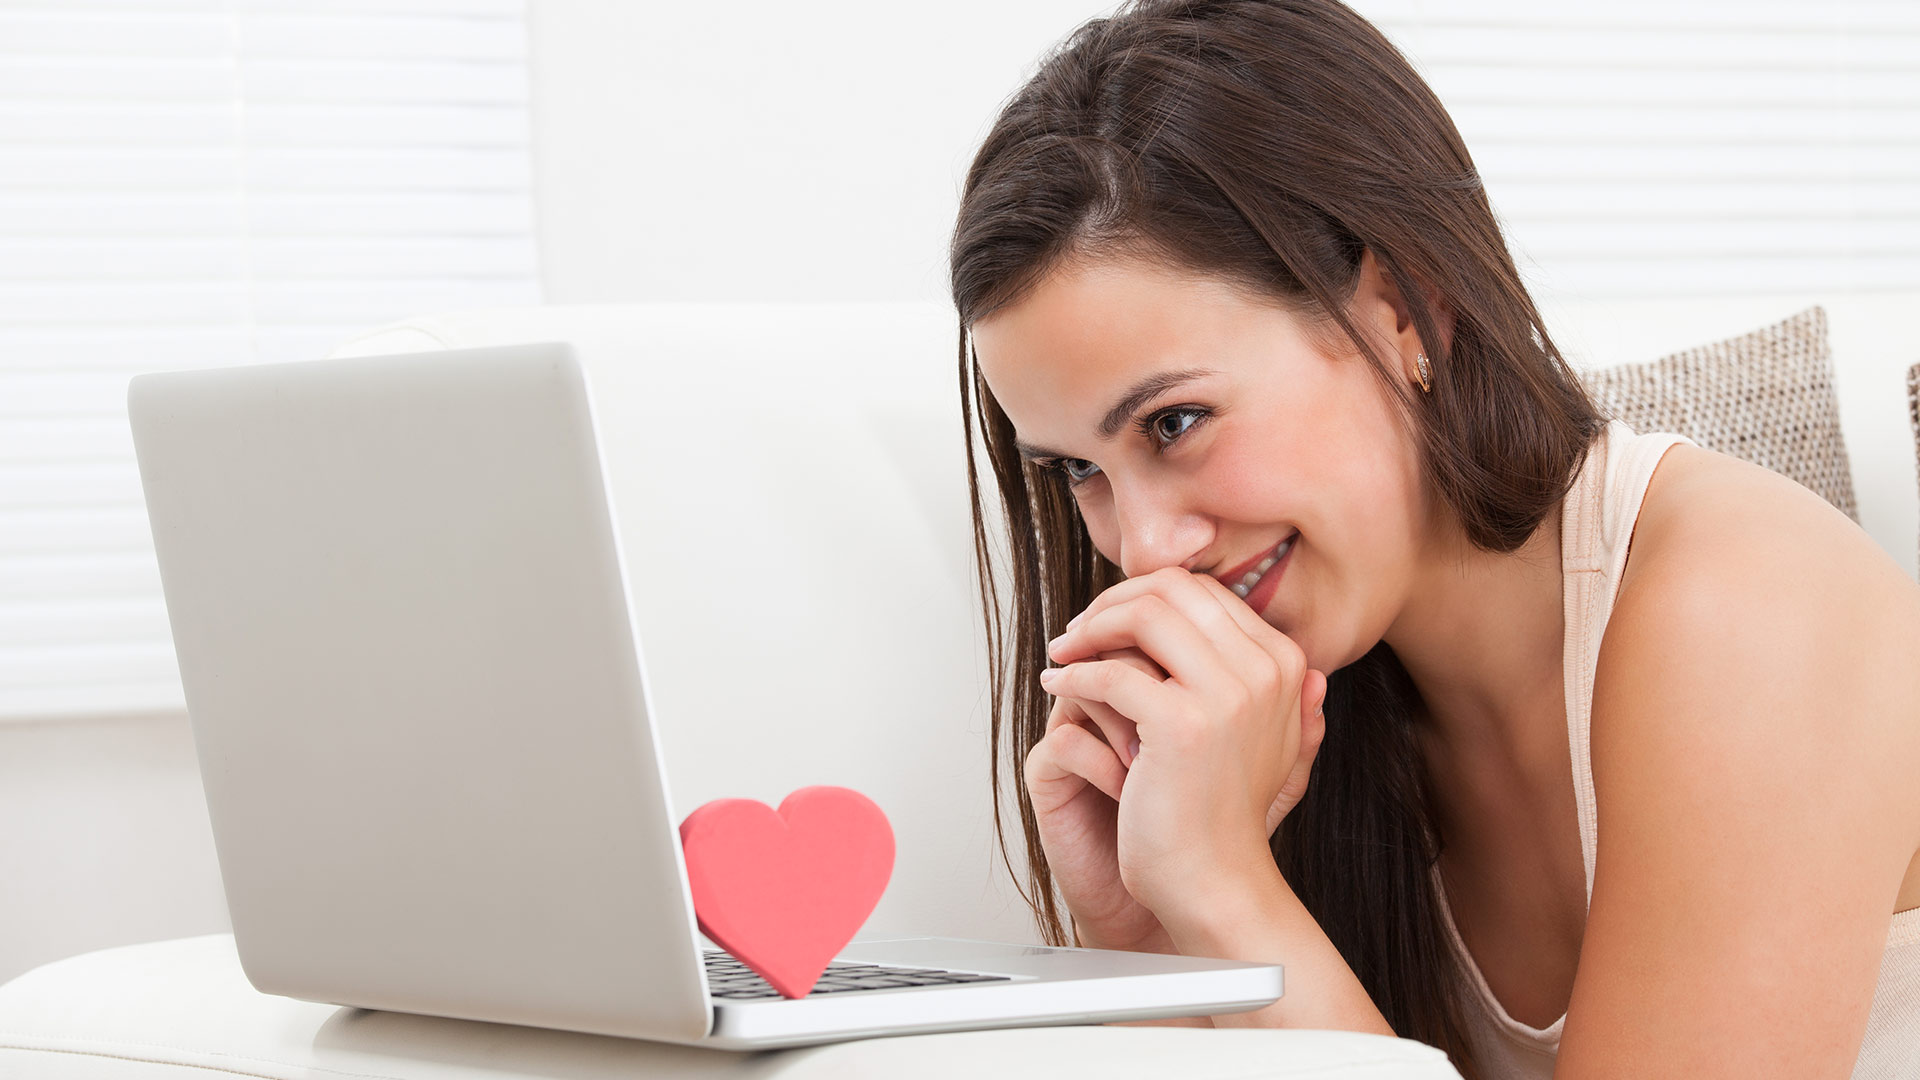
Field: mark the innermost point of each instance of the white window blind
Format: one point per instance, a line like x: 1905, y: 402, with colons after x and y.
x: 189, y: 184
x: 1642, y: 148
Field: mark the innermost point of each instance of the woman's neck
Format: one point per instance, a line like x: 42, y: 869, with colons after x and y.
x: 1483, y: 640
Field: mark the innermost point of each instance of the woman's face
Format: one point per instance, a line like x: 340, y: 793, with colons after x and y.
x: 1268, y: 435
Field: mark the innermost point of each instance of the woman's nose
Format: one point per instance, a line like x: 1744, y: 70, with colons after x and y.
x: 1156, y: 534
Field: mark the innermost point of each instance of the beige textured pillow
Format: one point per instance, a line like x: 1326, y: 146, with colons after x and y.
x: 1765, y: 396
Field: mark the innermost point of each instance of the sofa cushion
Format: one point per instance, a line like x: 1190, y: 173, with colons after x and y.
x: 171, y: 1010
x: 1765, y: 397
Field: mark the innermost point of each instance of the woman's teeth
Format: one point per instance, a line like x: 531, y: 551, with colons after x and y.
x: 1245, y: 585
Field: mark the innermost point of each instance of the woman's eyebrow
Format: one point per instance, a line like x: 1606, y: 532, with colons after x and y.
x: 1144, y: 391
x: 1130, y: 402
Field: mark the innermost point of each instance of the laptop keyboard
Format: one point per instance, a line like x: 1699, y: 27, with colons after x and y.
x: 729, y: 978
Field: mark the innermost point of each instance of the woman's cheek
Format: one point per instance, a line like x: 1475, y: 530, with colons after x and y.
x: 1096, y: 512
x: 1106, y: 539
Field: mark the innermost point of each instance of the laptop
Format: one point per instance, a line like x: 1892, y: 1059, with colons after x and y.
x: 421, y: 711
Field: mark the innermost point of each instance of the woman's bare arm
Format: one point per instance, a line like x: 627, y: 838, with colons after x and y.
x: 1262, y: 921
x: 1753, y: 760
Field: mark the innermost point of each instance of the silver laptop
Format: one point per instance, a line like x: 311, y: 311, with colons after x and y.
x: 423, y: 723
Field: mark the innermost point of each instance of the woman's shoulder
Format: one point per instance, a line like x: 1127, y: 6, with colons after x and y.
x: 1729, y: 534
x: 1707, y: 514
x: 1739, y: 574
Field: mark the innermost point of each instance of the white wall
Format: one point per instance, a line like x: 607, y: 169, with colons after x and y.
x: 765, y: 150
x: 1639, y: 148
x: 773, y: 151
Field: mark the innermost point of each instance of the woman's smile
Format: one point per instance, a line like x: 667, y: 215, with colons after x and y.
x: 1259, y: 584
x: 1247, y: 573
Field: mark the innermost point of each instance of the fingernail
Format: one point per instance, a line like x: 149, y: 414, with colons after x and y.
x: 1133, y: 749
x: 1047, y: 675
x: 1075, y: 621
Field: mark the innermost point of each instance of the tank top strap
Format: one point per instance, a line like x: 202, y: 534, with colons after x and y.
x: 1596, y: 527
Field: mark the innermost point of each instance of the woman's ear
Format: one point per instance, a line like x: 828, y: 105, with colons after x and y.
x: 1380, y: 304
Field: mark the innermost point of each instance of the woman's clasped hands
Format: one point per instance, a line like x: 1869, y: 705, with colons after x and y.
x: 1207, y: 723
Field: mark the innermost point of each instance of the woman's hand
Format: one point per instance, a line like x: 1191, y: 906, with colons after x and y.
x: 1226, y: 736
x: 1075, y: 775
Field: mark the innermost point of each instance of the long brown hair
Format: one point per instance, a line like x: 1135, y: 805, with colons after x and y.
x: 1268, y: 144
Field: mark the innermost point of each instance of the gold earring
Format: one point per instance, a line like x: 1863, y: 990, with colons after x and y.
x: 1426, y: 373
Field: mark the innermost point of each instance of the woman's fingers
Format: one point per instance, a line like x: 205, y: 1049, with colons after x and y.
x: 1118, y: 593
x: 1064, y: 712
x: 1236, y: 609
x: 1207, y: 640
x: 1120, y: 732
x: 1218, y: 638
x: 1070, y: 752
x: 1162, y: 630
x: 1096, y: 717
x: 1134, y: 587
x: 1116, y: 684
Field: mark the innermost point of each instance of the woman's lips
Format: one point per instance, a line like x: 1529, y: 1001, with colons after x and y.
x: 1228, y: 577
x: 1269, y: 583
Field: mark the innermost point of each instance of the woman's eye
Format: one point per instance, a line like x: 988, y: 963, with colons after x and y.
x: 1164, y: 429
x: 1171, y: 425
x: 1072, y: 466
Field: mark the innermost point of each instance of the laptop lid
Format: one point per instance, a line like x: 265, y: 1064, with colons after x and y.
x: 400, y: 612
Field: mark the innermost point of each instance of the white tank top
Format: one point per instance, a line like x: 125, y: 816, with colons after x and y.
x: 1595, y: 526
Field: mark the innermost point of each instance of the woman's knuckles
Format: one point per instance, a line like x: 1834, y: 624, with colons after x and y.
x: 1154, y: 605
x: 1039, y: 767
x: 1166, y: 577
x: 1122, y: 620
x: 1134, y: 658
x: 1096, y: 677
x: 1059, y: 714
x: 1292, y: 661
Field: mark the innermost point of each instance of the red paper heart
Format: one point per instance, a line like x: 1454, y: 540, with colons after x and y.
x: 784, y: 892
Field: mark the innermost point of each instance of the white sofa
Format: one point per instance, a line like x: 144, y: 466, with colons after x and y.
x: 789, y: 483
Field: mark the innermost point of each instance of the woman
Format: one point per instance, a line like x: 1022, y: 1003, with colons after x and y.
x: 1340, y: 534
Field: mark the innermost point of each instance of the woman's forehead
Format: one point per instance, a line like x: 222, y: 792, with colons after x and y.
x: 1096, y: 329
x: 1117, y: 320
